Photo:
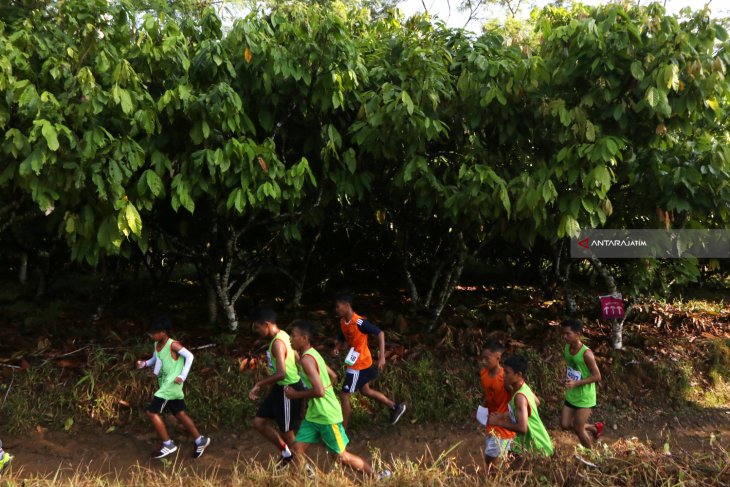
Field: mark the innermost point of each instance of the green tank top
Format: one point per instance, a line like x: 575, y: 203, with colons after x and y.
x: 583, y: 396
x: 169, y: 371
x: 327, y: 409
x: 290, y: 361
x: 537, y: 439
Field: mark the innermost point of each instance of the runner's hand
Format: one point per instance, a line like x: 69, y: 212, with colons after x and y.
x: 254, y: 394
x: 141, y: 364
x: 381, y: 363
x: 178, y: 380
x: 569, y: 384
x: 289, y: 392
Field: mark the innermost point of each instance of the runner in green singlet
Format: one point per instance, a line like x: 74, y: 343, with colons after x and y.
x: 171, y: 362
x: 323, y: 421
x: 283, y: 372
x: 581, y: 377
x: 523, y: 417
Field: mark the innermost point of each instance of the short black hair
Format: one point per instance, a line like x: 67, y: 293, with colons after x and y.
x: 344, y: 297
x: 307, y: 329
x: 263, y: 315
x: 575, y: 325
x: 518, y: 363
x: 494, y: 346
x: 161, y: 323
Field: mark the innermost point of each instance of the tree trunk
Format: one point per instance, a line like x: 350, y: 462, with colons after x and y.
x: 564, y: 280
x: 212, y: 303
x: 23, y: 273
x: 617, y: 327
x: 41, y: 288
x: 228, y: 305
x: 450, y: 283
x: 412, y: 289
x: 607, y: 277
x: 432, y: 287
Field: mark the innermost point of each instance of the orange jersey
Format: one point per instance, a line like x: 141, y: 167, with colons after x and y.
x: 358, y: 340
x: 497, y: 401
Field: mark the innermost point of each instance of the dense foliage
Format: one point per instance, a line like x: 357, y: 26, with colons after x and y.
x: 313, y: 133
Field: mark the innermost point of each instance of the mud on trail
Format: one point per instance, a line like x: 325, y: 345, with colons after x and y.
x: 120, y: 453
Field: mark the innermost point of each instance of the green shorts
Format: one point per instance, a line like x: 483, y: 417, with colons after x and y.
x: 332, y: 435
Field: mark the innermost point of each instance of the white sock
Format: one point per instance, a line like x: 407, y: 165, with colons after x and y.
x: 286, y: 452
x: 199, y: 440
x: 167, y: 443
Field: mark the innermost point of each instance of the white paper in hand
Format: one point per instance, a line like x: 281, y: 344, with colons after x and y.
x: 482, y: 415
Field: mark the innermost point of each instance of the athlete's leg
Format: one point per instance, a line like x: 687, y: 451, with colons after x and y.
x: 368, y: 391
x: 579, y: 426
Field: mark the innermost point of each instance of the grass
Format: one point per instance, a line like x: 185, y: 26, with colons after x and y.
x: 108, y: 392
x: 626, y: 462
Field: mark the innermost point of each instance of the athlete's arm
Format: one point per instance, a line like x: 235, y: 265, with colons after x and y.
x: 187, y: 356
x: 141, y: 364
x: 339, y: 343
x: 521, y: 415
x: 278, y: 350
x: 309, y: 365
x: 369, y: 328
x: 332, y: 374
x: 590, y: 361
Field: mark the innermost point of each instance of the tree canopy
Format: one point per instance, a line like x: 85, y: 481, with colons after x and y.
x: 140, y: 131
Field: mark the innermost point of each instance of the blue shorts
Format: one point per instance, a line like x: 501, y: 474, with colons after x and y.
x: 356, y: 379
x: 496, y: 447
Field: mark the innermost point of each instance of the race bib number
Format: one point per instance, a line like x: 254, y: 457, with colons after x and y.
x: 269, y: 361
x: 512, y: 414
x: 482, y: 415
x: 352, y: 356
x: 572, y: 374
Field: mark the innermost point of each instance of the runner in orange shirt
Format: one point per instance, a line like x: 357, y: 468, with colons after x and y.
x: 354, y: 331
x: 496, y: 399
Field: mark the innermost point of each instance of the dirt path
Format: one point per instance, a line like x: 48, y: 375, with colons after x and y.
x: 119, y: 452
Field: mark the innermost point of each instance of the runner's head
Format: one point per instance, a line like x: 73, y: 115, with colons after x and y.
x: 263, y: 320
x: 491, y: 355
x: 343, y: 304
x: 302, y: 334
x: 159, y: 328
x: 572, y: 330
x: 515, y: 368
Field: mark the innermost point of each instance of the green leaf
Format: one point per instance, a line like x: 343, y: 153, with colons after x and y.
x: 590, y: 132
x: 652, y: 97
x: 266, y: 119
x: 134, y: 221
x: 637, y: 71
x: 720, y: 33
x: 569, y: 227
x: 68, y: 424
x: 406, y: 98
x: 50, y: 134
x: 126, y: 101
x: 504, y: 198
x: 154, y: 182
x: 671, y: 76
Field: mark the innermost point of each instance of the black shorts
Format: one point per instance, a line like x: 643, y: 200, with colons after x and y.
x: 573, y: 406
x: 172, y: 406
x: 356, y: 379
x: 286, y: 412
